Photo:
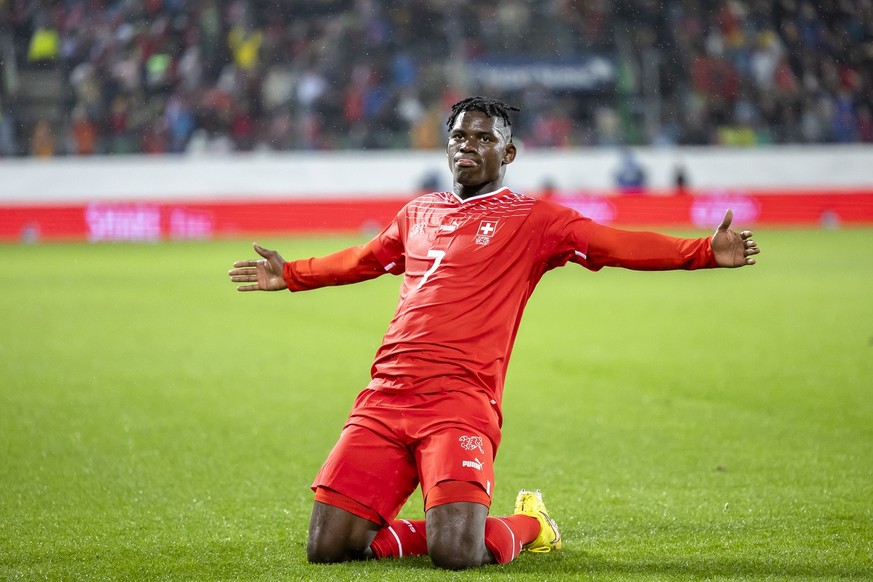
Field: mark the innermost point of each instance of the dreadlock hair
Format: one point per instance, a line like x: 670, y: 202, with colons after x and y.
x: 488, y: 106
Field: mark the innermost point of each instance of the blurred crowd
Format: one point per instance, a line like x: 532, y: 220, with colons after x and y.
x: 84, y: 77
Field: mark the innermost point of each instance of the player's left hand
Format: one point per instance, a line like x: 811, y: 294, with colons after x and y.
x: 733, y: 249
x: 266, y: 273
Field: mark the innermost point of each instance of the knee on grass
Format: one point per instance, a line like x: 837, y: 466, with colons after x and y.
x: 455, y: 554
x: 319, y: 551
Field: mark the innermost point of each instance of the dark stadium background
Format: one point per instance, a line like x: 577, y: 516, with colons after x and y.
x: 83, y: 77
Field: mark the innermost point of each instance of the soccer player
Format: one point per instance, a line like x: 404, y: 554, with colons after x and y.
x: 431, y: 414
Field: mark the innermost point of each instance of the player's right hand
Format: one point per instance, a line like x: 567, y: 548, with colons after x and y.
x: 265, y: 273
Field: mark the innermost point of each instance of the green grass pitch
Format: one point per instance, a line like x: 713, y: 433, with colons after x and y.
x: 156, y: 424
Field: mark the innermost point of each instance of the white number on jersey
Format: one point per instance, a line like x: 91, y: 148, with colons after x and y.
x: 437, y: 257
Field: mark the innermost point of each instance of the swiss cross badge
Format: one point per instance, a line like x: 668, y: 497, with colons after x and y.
x: 485, y: 232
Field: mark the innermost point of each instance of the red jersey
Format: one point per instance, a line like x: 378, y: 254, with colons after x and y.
x: 469, y: 268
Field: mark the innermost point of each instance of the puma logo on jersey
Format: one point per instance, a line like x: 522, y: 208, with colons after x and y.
x: 474, y: 464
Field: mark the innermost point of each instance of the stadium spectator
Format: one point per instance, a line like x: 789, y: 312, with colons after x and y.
x: 42, y: 141
x: 431, y: 414
x: 44, y: 42
x: 8, y: 142
x: 83, y: 133
x: 680, y: 180
x: 630, y: 177
x: 865, y: 124
x: 737, y: 71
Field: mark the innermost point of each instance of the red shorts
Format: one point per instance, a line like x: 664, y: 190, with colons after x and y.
x: 393, y: 442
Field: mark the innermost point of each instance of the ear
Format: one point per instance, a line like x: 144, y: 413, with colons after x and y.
x: 509, y: 153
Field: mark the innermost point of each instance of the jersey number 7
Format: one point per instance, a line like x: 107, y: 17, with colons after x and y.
x: 437, y: 257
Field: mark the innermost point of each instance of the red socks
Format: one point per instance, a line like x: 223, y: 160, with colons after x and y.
x: 504, y: 537
x: 402, y: 537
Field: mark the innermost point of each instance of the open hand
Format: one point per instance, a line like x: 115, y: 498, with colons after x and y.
x: 266, y: 273
x: 733, y: 249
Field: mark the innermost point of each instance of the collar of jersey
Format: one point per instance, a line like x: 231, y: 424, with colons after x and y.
x: 479, y: 196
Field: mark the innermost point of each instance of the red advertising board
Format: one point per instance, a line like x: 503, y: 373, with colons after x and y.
x: 152, y: 220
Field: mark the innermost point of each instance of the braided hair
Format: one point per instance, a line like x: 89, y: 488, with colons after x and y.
x: 488, y: 106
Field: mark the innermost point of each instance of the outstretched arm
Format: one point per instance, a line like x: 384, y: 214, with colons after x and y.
x: 603, y: 246
x: 265, y: 273
x: 733, y: 249
x: 273, y: 273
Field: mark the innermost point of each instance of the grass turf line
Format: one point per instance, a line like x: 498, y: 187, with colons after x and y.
x: 157, y: 424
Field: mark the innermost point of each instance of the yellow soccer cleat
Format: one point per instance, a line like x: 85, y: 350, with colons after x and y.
x: 531, y: 503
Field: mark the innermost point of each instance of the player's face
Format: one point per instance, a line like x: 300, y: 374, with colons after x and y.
x: 478, y: 150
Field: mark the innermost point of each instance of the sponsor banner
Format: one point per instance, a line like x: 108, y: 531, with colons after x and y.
x: 154, y: 221
x: 584, y: 73
x: 184, y: 220
x: 706, y: 209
